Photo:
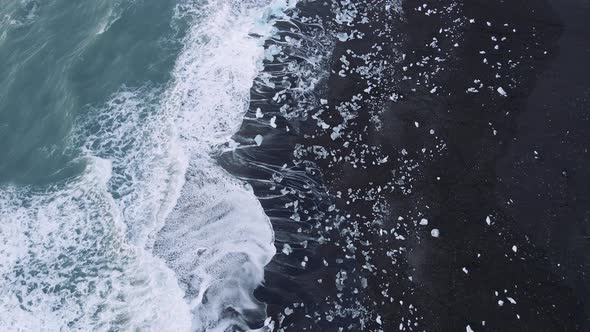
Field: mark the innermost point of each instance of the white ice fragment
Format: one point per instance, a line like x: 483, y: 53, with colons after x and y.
x: 342, y: 36
x: 258, y: 140
x: 514, y: 248
x: 424, y: 222
x: 435, y: 232
x: 433, y: 90
x: 500, y: 303
x: 268, y: 321
x: 488, y: 220
x: 378, y: 320
x: 465, y: 270
x: 323, y: 101
x: 416, y: 124
x: 273, y: 122
x: 501, y: 91
x: 287, y: 249
x: 258, y: 113
x: 511, y: 300
x: 468, y: 329
x: 431, y: 131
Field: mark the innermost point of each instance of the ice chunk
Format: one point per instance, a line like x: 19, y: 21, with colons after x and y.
x: 258, y: 140
x: 287, y: 249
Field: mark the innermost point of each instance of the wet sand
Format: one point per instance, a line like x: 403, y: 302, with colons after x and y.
x: 460, y: 200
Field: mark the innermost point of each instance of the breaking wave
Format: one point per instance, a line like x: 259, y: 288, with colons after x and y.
x: 153, y: 234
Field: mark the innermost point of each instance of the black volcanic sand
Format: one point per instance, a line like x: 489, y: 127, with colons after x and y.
x: 428, y: 143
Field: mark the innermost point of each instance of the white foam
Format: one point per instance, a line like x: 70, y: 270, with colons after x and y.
x: 218, y: 239
x: 68, y: 265
x: 80, y: 255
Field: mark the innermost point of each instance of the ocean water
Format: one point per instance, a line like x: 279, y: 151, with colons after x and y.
x: 113, y: 214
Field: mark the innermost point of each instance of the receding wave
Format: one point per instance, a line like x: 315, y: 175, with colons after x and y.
x: 153, y: 235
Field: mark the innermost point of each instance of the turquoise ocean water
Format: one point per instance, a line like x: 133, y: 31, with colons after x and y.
x: 113, y: 215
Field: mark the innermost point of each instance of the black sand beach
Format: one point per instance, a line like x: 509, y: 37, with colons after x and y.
x: 453, y: 195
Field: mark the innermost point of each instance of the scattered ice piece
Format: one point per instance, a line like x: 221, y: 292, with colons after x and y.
x: 378, y: 320
x: 342, y: 36
x: 468, y: 329
x: 465, y: 270
x: 500, y: 303
x: 488, y: 220
x: 431, y: 131
x: 258, y: 113
x: 273, y: 122
x: 501, y: 91
x: 288, y: 311
x: 435, y: 232
x: 416, y: 124
x: 433, y: 90
x: 258, y: 140
x: 267, y: 321
x: 511, y: 300
x: 514, y: 248
x: 323, y: 101
x: 287, y: 249
x: 364, y: 283
x: 424, y: 222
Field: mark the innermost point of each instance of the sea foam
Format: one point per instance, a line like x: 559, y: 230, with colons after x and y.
x: 153, y: 235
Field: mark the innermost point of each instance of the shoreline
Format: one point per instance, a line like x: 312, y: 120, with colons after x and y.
x: 431, y: 156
